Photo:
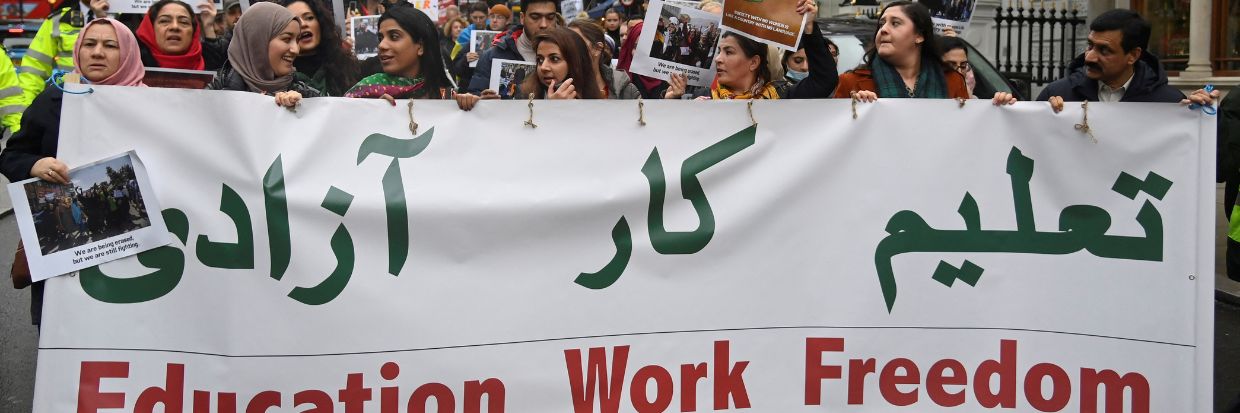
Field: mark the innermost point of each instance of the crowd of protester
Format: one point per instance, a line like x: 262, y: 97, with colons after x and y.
x: 293, y: 50
x: 66, y: 216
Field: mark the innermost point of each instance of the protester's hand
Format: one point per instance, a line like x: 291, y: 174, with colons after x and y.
x: 288, y: 99
x: 466, y: 101
x: 1056, y: 103
x: 206, y: 15
x: 51, y: 169
x: 702, y: 98
x: 676, y: 86
x: 489, y: 94
x: 1004, y: 98
x: 347, y: 44
x: 809, y: 7
x: 949, y: 32
x: 471, y: 56
x: 564, y: 90
x: 865, y: 96
x: 99, y: 8
x: 1201, y: 97
x: 388, y: 98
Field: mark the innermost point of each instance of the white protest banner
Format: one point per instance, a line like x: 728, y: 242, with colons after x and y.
x: 102, y: 214
x: 677, y: 39
x: 951, y: 13
x: 769, y: 21
x: 923, y: 254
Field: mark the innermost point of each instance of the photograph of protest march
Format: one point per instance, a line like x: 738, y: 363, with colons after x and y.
x: 101, y: 202
x: 508, y: 78
x: 955, y: 10
x: 365, y: 36
x: 480, y: 41
x: 683, y: 39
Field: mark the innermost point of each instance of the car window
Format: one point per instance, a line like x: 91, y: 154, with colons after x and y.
x: 988, y: 79
x: 852, y: 51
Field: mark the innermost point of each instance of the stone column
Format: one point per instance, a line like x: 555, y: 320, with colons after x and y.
x: 1199, y: 41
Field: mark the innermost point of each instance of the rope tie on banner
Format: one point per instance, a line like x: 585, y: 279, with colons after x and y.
x: 1084, y: 125
x: 530, y: 122
x: 751, y: 118
x: 57, y: 79
x: 961, y: 101
x: 854, y: 104
x: 1206, y: 109
x: 641, y: 111
x: 413, y: 124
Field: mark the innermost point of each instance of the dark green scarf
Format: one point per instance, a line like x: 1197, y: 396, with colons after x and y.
x: 930, y: 83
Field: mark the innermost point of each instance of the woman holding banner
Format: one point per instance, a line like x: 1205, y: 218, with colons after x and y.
x: 322, y: 62
x: 564, y: 69
x: 261, y: 55
x: 171, y: 37
x: 411, y: 60
x: 743, y: 69
x: 905, y: 61
x: 106, y: 53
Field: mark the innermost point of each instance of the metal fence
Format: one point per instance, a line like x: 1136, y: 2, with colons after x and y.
x: 1036, y: 42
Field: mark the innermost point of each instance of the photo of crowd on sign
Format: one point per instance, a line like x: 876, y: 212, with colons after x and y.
x: 480, y: 41
x: 680, y: 39
x: 366, y: 36
x: 508, y: 78
x: 954, y: 10
x: 101, y: 202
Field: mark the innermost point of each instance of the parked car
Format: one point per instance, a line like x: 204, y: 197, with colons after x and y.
x: 853, y: 36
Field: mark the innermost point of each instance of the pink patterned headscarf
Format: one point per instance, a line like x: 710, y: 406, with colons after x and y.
x: 131, y: 70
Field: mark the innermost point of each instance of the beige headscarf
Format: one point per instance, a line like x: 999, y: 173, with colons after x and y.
x: 248, y: 51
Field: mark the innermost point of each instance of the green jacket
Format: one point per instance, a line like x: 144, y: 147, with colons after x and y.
x: 12, y: 104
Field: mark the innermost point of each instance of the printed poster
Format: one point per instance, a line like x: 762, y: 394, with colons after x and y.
x: 106, y: 212
x: 365, y: 37
x: 951, y: 13
x: 775, y: 22
x: 684, y: 40
x: 480, y: 41
x: 507, y: 76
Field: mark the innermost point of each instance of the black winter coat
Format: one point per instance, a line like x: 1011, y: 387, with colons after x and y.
x: 1149, y: 84
x: 229, y: 79
x: 37, y: 138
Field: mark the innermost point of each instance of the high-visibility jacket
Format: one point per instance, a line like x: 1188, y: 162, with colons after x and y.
x: 52, y: 48
x: 11, y: 103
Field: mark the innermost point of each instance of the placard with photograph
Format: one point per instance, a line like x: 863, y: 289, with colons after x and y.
x: 365, y: 36
x: 570, y: 9
x: 950, y: 13
x: 480, y: 41
x: 774, y: 22
x: 107, y: 211
x: 507, y: 75
x: 683, y: 40
x: 177, y: 78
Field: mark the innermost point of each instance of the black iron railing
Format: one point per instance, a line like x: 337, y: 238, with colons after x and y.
x: 1035, y: 40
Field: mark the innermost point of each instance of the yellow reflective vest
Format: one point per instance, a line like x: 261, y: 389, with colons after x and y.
x: 52, y: 48
x: 11, y: 103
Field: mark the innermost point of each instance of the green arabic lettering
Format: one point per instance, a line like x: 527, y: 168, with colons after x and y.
x: 275, y: 200
x: 168, y: 262
x: 394, y: 189
x: 234, y: 255
x: 1081, y: 227
x: 336, y: 201
x: 623, y: 238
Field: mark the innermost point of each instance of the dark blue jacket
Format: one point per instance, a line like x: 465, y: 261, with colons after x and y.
x: 1149, y: 84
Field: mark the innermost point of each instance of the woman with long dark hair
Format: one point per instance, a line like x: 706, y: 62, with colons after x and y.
x: 411, y: 60
x: 616, y: 84
x: 322, y: 61
x: 905, y: 61
x: 564, y: 69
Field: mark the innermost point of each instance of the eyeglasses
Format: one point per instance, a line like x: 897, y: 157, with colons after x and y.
x: 962, y: 67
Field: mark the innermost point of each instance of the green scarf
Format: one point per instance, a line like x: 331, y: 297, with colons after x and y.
x: 930, y: 82
x: 379, y: 84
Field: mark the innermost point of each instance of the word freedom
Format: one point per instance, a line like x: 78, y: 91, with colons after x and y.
x: 597, y: 384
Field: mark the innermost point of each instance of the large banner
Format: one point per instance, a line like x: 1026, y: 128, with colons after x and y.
x: 922, y: 254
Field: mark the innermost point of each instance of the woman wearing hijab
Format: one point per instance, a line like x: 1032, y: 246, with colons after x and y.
x: 261, y: 55
x: 322, y: 62
x: 171, y: 37
x: 106, y: 53
x: 412, y: 63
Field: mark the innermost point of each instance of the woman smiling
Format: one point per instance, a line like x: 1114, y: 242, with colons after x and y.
x: 261, y: 55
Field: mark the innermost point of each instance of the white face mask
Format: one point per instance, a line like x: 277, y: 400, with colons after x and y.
x: 797, y: 76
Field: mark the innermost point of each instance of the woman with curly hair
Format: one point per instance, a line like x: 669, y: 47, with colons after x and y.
x: 323, y: 63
